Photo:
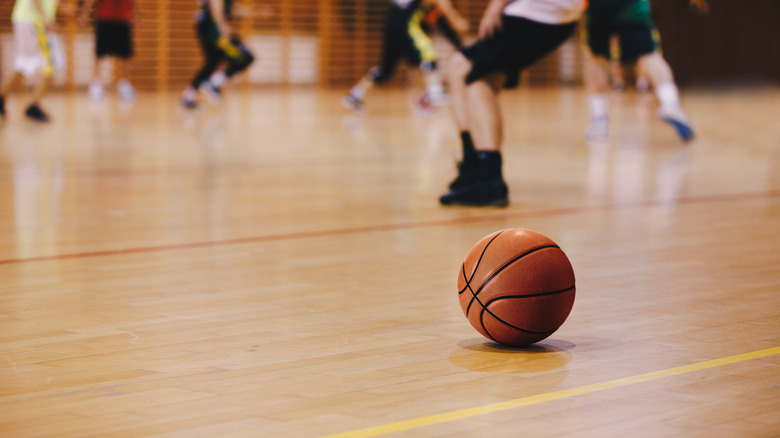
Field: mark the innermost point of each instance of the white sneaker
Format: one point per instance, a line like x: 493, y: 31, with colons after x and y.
x: 125, y: 90
x: 677, y: 118
x: 211, y: 93
x: 96, y: 91
x: 439, y: 99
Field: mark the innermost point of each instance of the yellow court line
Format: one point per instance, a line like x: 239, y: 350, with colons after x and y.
x: 549, y: 396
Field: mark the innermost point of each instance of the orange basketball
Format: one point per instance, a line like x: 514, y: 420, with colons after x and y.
x: 516, y: 287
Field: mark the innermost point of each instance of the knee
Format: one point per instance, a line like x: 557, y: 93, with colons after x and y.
x: 458, y: 67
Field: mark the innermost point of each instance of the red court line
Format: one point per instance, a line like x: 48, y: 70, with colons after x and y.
x: 409, y: 225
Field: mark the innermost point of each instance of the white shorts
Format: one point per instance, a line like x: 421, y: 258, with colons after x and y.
x: 36, y: 51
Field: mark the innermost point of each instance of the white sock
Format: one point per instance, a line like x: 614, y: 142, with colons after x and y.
x: 218, y: 79
x: 435, y: 89
x: 668, y: 96
x: 358, y: 92
x: 598, y: 105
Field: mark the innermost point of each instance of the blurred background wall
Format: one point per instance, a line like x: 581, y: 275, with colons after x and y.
x: 332, y: 42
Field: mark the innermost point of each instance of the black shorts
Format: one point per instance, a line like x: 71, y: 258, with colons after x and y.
x: 519, y: 44
x: 630, y: 20
x: 113, y: 38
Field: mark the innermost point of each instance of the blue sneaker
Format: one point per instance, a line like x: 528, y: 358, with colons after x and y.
x: 677, y: 118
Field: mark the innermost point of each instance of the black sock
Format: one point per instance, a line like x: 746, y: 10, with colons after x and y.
x: 469, y: 152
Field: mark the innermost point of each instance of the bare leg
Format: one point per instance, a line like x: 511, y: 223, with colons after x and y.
x: 484, y: 113
x: 95, y: 90
x: 15, y: 81
x: 123, y: 86
x: 476, y: 111
x: 597, y: 85
x: 655, y: 67
x: 459, y: 67
x: 41, y: 89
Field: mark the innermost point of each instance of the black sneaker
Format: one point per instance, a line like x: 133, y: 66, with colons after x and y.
x: 479, y: 184
x: 35, y: 112
x: 2, y: 107
x: 465, y: 176
x: 486, y: 193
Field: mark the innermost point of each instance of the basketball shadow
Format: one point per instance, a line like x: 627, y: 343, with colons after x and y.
x: 490, y: 357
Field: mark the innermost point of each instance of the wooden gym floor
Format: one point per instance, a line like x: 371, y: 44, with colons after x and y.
x: 278, y: 267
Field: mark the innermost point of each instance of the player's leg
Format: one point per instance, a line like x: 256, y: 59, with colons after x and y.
x: 480, y: 180
x: 213, y: 57
x: 635, y: 27
x: 660, y: 75
x: 34, y: 110
x: 27, y: 59
x: 123, y: 50
x: 391, y: 53
x: 478, y: 73
x: 418, y: 49
x: 597, y: 32
x: 238, y: 62
x: 52, y: 56
x: 96, y: 90
x: 10, y: 85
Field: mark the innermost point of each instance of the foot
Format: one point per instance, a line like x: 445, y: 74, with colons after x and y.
x: 34, y: 112
x: 351, y: 102
x: 486, y: 193
x: 439, y: 99
x: 211, y: 93
x: 677, y: 118
x: 96, y: 91
x: 188, y: 103
x: 126, y: 90
x: 423, y: 102
x: 598, y: 130
x: 465, y: 176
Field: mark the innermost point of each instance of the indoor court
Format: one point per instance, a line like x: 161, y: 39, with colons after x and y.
x: 279, y: 266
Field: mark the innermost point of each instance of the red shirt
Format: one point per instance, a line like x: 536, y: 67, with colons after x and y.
x: 114, y: 10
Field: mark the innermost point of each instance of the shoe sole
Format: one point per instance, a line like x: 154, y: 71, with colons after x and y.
x: 497, y: 203
x: 683, y: 130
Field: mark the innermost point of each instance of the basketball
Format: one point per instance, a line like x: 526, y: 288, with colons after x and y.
x: 516, y: 287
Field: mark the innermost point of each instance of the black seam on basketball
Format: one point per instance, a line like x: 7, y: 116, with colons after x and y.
x: 540, y: 294
x: 474, y: 272
x: 509, y: 263
x: 498, y: 271
x: 479, y: 260
x: 485, y: 309
x: 482, y: 322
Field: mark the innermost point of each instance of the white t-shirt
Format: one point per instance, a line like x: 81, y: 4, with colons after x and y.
x: 403, y: 3
x: 546, y: 11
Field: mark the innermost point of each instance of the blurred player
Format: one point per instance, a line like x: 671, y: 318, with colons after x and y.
x: 405, y: 39
x: 113, y: 38
x: 631, y: 21
x: 220, y: 45
x: 37, y: 52
x: 513, y: 35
